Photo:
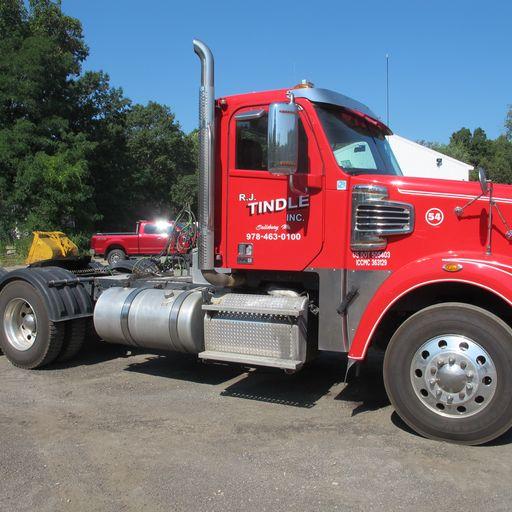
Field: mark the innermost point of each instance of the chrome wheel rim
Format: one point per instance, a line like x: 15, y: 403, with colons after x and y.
x: 20, y: 324
x: 453, y: 376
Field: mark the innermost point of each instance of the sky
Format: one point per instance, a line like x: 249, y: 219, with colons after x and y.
x: 450, y: 61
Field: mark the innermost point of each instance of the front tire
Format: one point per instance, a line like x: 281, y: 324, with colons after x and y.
x: 447, y: 372
x: 28, y: 338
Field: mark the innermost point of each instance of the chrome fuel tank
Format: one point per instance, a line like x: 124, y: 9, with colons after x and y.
x: 147, y: 317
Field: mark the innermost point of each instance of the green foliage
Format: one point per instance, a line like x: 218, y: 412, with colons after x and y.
x: 43, y: 161
x: 508, y: 124
x: 161, y: 155
x: 75, y: 154
x: 476, y: 149
x: 82, y: 240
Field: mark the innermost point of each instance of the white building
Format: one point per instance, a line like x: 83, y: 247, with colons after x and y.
x: 417, y: 160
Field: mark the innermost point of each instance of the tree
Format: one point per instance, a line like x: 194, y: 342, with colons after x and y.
x: 72, y: 147
x: 160, y: 156
x: 102, y: 113
x: 41, y: 158
x: 184, y: 190
x: 478, y: 150
x: 508, y: 124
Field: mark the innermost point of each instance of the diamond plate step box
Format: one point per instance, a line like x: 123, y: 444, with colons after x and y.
x: 260, y: 330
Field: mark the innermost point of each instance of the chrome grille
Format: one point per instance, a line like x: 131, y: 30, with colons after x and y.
x: 374, y: 217
x: 384, y: 217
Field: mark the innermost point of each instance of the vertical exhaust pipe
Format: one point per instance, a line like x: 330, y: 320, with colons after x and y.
x: 206, y: 157
x: 206, y: 242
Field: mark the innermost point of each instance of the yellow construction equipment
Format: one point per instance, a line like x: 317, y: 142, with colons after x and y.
x: 51, y: 245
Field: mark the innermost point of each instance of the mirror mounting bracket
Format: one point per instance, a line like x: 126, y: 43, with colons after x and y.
x: 487, y: 189
x: 294, y: 189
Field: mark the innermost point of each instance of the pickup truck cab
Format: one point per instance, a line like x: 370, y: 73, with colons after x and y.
x: 149, y: 238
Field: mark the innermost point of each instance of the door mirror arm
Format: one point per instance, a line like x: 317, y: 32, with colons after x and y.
x: 294, y: 189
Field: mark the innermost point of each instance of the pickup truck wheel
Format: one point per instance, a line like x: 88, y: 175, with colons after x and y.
x: 448, y: 373
x: 74, y: 338
x: 115, y: 255
x: 28, y: 338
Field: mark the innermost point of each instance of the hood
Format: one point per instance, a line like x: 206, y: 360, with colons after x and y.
x: 449, y: 216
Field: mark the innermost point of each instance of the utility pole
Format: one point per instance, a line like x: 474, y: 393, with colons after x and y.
x: 387, y: 89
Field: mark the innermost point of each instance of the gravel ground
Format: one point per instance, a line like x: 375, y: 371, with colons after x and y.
x: 118, y: 431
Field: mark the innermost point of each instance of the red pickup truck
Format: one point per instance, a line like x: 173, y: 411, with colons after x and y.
x: 150, y: 238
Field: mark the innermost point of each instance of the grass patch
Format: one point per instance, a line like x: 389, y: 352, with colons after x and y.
x: 14, y: 252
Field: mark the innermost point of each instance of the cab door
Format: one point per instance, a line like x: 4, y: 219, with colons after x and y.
x: 272, y: 223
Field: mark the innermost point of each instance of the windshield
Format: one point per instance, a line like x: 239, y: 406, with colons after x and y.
x: 358, y: 146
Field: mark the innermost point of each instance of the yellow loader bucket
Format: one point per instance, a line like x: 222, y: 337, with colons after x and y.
x: 51, y: 245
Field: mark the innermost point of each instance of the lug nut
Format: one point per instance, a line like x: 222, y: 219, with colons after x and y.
x: 469, y: 387
x: 433, y: 370
x: 439, y: 393
x: 440, y: 362
x: 470, y: 375
x: 461, y: 395
x: 449, y: 398
x: 432, y: 382
x: 451, y: 360
x: 463, y: 364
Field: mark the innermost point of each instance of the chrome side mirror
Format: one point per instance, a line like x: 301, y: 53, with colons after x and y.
x: 482, y: 178
x: 283, y: 138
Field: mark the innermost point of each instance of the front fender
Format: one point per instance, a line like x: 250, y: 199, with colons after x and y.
x: 477, y: 269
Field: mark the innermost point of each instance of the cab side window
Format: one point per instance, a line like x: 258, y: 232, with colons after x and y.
x: 251, y: 144
x: 150, y: 229
x: 153, y: 229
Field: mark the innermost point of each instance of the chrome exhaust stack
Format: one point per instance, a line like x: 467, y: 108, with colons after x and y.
x: 206, y: 157
x: 206, y: 242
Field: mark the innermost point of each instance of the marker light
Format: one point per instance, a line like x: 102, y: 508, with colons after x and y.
x: 452, y: 267
x: 304, y: 84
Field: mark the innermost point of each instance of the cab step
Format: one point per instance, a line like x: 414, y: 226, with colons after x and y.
x: 251, y: 360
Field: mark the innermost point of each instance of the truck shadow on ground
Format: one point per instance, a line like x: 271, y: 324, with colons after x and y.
x: 302, y: 389
x: 94, y: 353
x: 320, y: 378
x: 185, y: 367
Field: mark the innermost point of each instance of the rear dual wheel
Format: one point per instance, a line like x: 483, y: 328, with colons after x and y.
x: 74, y: 337
x: 448, y: 373
x: 28, y: 338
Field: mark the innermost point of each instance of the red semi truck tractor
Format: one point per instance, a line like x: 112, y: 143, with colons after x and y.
x: 310, y: 240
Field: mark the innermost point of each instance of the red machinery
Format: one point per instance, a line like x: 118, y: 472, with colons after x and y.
x: 311, y: 239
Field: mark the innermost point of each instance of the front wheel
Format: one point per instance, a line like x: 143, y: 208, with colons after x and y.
x: 448, y: 373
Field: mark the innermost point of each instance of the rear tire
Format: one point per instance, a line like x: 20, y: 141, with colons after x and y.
x: 115, y: 255
x: 28, y: 338
x: 74, y: 338
x: 447, y: 372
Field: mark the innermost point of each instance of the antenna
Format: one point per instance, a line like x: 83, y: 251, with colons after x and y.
x: 387, y: 89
